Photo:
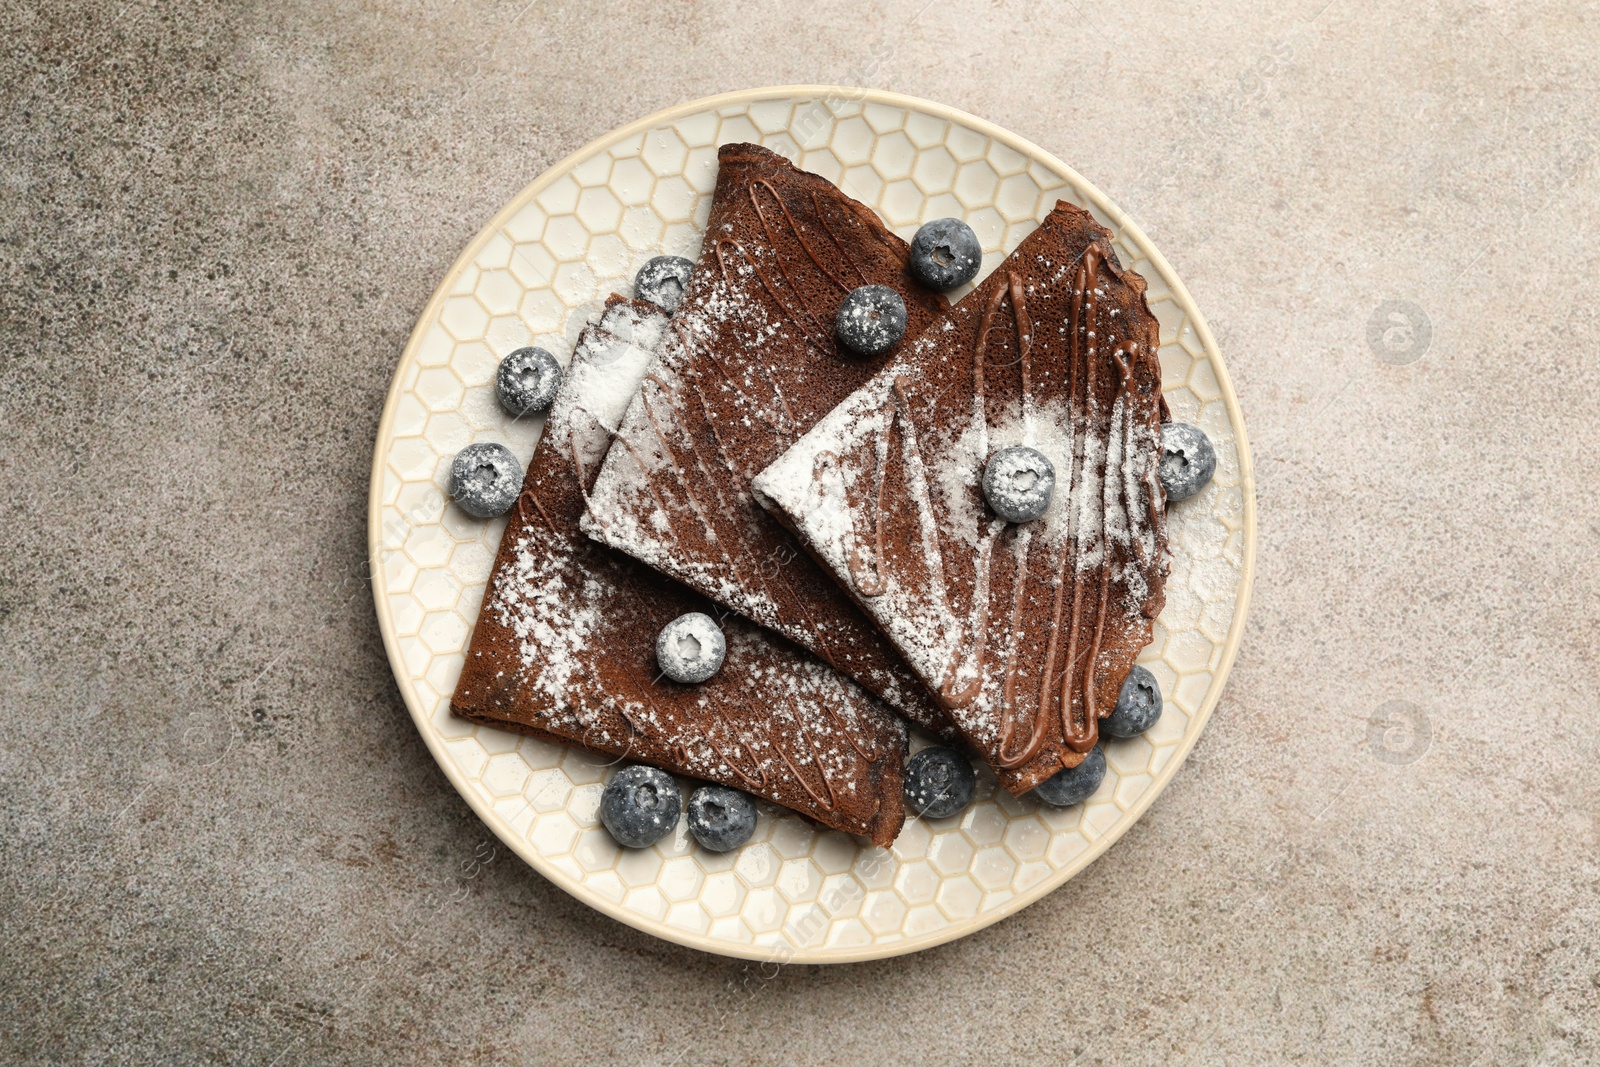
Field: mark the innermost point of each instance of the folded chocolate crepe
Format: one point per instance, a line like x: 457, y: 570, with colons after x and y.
x: 748, y: 364
x: 1025, y: 630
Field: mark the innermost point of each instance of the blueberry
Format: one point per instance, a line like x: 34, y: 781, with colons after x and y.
x: 1075, y: 784
x: 1018, y: 483
x: 1138, y: 705
x: 640, y: 805
x: 721, y: 819
x: 527, y: 381
x: 485, y: 479
x: 939, y: 782
x: 945, y: 253
x: 663, y: 280
x: 1187, y: 460
x: 691, y: 647
x: 871, y: 320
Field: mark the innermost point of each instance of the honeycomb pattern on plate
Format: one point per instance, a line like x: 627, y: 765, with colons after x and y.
x: 536, y: 276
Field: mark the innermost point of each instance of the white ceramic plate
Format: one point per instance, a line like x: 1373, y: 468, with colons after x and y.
x: 536, y: 274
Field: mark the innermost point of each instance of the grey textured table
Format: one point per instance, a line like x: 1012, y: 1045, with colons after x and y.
x: 220, y: 837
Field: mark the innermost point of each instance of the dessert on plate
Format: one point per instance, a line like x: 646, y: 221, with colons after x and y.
x: 961, y: 508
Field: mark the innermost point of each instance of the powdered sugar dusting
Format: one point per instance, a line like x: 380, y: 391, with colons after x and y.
x: 536, y: 598
x: 604, y: 375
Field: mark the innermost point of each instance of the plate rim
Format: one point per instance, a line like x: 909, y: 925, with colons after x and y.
x: 791, y: 954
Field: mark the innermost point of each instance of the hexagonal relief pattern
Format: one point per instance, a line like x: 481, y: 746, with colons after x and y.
x: 536, y: 276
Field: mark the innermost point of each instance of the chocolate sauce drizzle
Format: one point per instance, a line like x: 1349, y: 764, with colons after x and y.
x: 816, y: 332
x: 756, y: 776
x: 1083, y: 349
x: 977, y: 624
x: 824, y: 795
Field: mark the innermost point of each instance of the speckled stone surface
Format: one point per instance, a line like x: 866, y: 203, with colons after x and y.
x: 220, y: 837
